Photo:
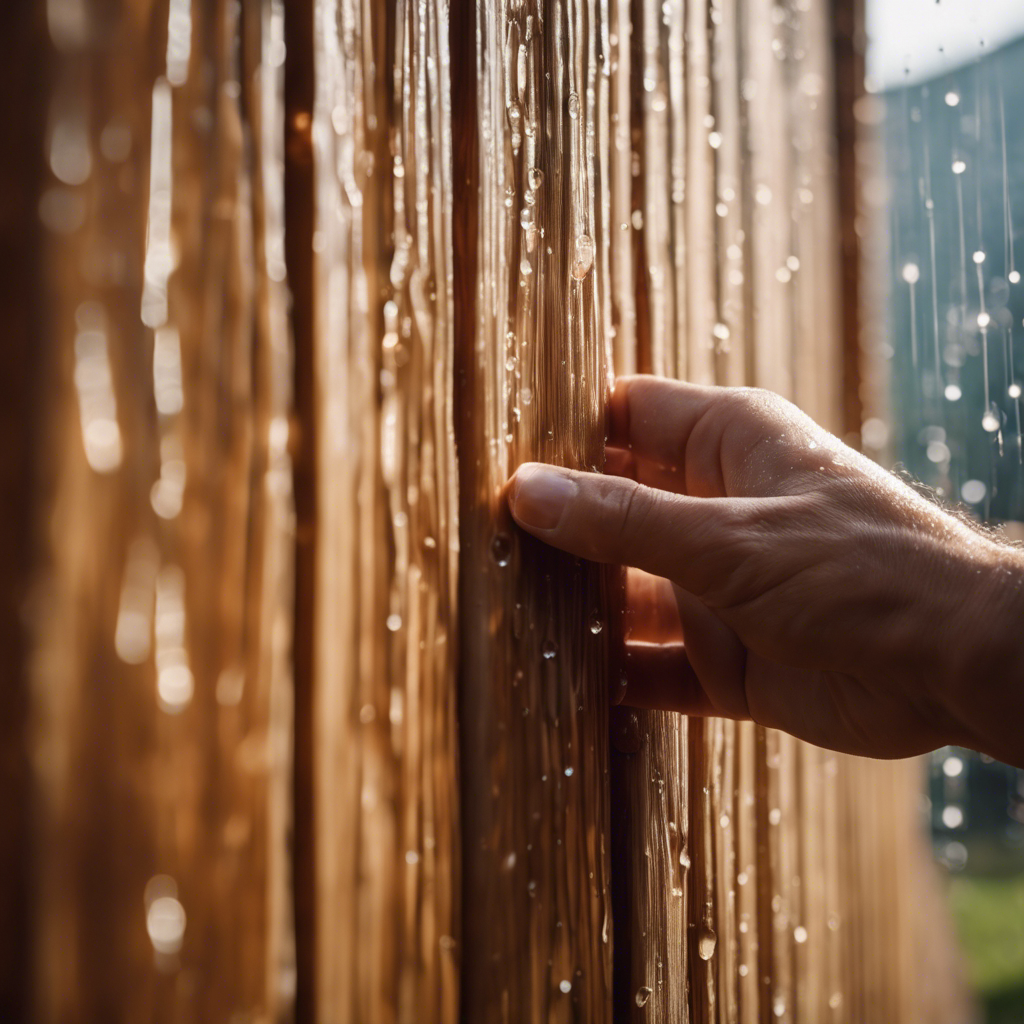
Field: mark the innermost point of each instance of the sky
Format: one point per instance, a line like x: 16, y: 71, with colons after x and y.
x: 928, y: 38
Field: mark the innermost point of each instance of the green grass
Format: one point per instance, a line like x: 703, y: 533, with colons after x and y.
x: 988, y: 913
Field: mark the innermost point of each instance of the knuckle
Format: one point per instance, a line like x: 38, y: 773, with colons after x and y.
x: 633, y: 508
x: 626, y: 508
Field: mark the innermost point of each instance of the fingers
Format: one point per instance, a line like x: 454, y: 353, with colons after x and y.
x: 656, y: 419
x: 662, y: 677
x: 717, y: 655
x: 651, y: 612
x: 616, y: 520
x: 705, y: 435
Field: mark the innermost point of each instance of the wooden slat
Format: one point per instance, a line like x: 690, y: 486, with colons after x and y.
x: 531, y: 368
x: 162, y: 682
x: 385, y: 811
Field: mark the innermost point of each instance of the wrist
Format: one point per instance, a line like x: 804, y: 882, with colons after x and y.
x: 984, y: 656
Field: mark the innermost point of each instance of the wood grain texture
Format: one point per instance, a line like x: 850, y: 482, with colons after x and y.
x: 386, y: 540
x: 534, y: 688
x: 299, y: 726
x: 161, y: 725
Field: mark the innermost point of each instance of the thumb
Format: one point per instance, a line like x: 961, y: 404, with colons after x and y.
x: 692, y: 541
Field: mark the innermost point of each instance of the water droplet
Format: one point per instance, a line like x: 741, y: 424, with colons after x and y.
x: 526, y: 217
x: 953, y: 393
x: 800, y: 934
x: 1013, y: 277
x: 574, y: 105
x: 1013, y: 390
x: 990, y: 421
x: 565, y: 986
x: 779, y: 1007
x: 706, y: 943
x: 596, y: 625
x: 394, y: 622
x: 684, y: 860
x: 774, y: 816
x: 549, y: 650
x: 952, y: 99
x: 582, y: 256
x: 911, y: 273
x: 526, y: 395
x: 568, y: 772
x: 535, y: 178
x: 526, y: 268
x: 642, y: 995
x: 165, y: 924
x: 835, y: 1000
x: 959, y: 167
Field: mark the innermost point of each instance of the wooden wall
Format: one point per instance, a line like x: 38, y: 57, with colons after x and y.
x: 298, y: 726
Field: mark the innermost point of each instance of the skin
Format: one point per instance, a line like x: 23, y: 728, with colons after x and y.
x: 778, y: 575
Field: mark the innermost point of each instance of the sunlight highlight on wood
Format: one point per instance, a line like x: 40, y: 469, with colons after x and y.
x: 314, y: 733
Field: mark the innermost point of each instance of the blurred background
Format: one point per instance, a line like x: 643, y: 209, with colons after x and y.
x: 942, y: 152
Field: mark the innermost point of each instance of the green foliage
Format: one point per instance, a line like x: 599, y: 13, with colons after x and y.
x: 989, y: 916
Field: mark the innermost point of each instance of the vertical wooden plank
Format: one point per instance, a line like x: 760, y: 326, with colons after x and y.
x: 385, y: 810
x: 531, y: 370
x: 162, y: 677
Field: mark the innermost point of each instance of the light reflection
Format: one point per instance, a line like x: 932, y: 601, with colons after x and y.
x: 165, y: 923
x: 68, y: 22
x: 952, y: 816
x: 70, y: 155
x: 973, y: 491
x: 168, y: 492
x: 101, y: 435
x: 159, y: 257
x: 179, y: 41
x: 167, y: 388
x: 174, y: 684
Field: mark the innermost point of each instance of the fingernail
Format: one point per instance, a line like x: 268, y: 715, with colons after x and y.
x: 540, y: 496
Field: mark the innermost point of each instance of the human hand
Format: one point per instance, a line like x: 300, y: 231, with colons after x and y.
x: 816, y: 593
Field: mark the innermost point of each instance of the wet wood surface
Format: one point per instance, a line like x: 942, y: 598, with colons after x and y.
x: 299, y: 726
